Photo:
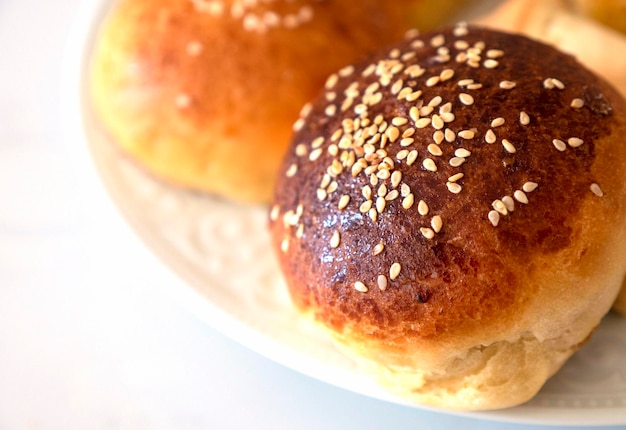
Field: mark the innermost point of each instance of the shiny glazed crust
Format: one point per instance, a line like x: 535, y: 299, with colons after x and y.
x: 450, y: 210
x: 204, y: 93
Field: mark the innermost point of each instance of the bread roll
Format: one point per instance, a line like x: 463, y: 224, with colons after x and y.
x: 455, y: 216
x: 203, y: 93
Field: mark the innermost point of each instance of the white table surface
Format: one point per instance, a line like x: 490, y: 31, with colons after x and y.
x: 89, y: 336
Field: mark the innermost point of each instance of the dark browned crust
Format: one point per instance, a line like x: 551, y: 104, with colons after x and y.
x: 471, y: 275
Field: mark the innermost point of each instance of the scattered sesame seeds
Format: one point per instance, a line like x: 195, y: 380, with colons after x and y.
x: 490, y: 63
x: 429, y: 164
x: 453, y: 187
x: 462, y: 152
x: 379, y: 248
x: 422, y: 208
x: 292, y: 170
x: 361, y: 287
x: 437, y: 41
x: 466, y: 134
x: 432, y: 81
x: 446, y: 75
x: 495, y: 53
x: 509, y: 203
x: 499, y: 206
x: 524, y: 119
x: 274, y: 213
x: 407, y: 202
x: 456, y: 177
x: 343, y: 201
x: 577, y: 103
x: 427, y: 232
x: 530, y: 186
x: 466, y: 99
x: 394, y: 271
x: 346, y: 71
x: 508, y: 146
x: 520, y: 196
x: 182, y: 101
x: 575, y: 142
x: 494, y: 217
x: 435, y: 150
x: 595, y: 188
x: 497, y: 122
x: 335, y: 239
x: 559, y: 144
x: 382, y: 282
x: 551, y: 83
x: 284, y: 245
x: 456, y: 161
x: 507, y: 85
x: 331, y: 81
x: 436, y: 223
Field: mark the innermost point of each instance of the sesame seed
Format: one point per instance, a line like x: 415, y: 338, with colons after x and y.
x: 474, y: 86
x: 449, y: 135
x: 408, y: 132
x: 495, y: 53
x: 559, y: 144
x: 300, y: 231
x: 407, y: 202
x: 317, y: 142
x: 426, y: 110
x: 380, y: 204
x: 422, y: 207
x: 382, y: 191
x: 530, y: 186
x: 494, y: 218
x: 507, y: 85
x: 446, y: 74
x: 396, y: 178
x: 455, y: 177
x: 343, y: 201
x: 392, y: 133
x: 407, y: 141
x: 399, y: 121
x: 365, y: 206
x: 346, y: 71
x: 331, y: 81
x: 382, y: 282
x: 524, y: 119
x: 414, y: 113
x: 405, y: 190
x: 436, y: 223
x: 427, y: 232
x: 297, y: 126
x: 394, y: 270
x: 435, y: 101
x: 466, y: 99
x: 423, y: 122
x: 462, y: 152
x: 410, y: 159
x: 508, y: 146
x: 182, y: 101
x: 315, y: 154
x: 509, y: 203
x: 490, y: 136
x: 274, y: 212
x: 392, y: 195
x: 466, y: 134
x: 366, y: 191
x: 368, y: 70
x: 435, y: 150
x: 490, y: 63
x: 383, y: 174
x: 456, y: 161
x: 361, y: 287
x: 497, y: 122
x: 461, y: 45
x: 577, y: 103
x: 465, y: 82
x: 373, y: 214
x: 595, y: 188
x: 558, y: 84
x: 284, y: 245
x: 396, y: 87
x: 499, y: 206
x: 438, y: 137
x: 378, y: 249
x: 520, y: 196
x: 437, y: 122
x: 335, y: 239
x: 437, y: 41
x: 575, y: 142
x: 460, y: 30
x: 330, y: 110
x: 429, y: 165
x: 402, y: 154
x: 321, y: 194
x: 432, y: 81
x: 453, y: 187
x: 293, y: 169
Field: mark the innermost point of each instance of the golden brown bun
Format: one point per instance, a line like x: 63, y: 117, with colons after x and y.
x: 452, y: 310
x: 204, y: 93
x: 611, y: 13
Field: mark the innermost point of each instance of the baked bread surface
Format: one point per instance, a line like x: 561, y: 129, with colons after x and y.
x: 203, y: 93
x: 452, y: 210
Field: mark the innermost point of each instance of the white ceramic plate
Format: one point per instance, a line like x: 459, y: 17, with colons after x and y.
x: 222, y: 252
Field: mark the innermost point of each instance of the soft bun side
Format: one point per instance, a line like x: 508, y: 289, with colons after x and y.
x: 453, y: 215
x: 204, y: 93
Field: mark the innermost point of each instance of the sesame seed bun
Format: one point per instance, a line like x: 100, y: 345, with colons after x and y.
x: 456, y: 222
x: 203, y: 93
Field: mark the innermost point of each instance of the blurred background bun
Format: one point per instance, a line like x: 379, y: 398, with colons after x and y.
x: 203, y: 93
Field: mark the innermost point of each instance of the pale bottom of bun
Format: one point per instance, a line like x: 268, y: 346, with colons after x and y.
x: 496, y: 375
x: 620, y: 303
